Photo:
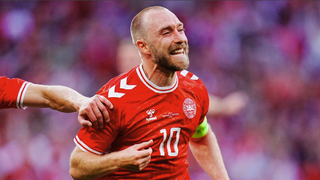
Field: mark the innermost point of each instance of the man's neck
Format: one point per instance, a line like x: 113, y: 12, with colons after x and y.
x: 159, y: 76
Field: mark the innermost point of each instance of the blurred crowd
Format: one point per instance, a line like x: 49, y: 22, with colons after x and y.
x: 267, y: 49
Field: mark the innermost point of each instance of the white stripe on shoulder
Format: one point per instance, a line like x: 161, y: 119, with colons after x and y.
x: 194, y: 77
x: 184, y: 72
x: 79, y: 143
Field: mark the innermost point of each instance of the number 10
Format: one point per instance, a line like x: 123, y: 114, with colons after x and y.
x: 176, y: 150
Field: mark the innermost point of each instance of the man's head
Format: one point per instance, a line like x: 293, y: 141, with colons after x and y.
x: 159, y: 36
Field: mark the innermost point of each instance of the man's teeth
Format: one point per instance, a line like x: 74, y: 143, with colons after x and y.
x: 178, y: 51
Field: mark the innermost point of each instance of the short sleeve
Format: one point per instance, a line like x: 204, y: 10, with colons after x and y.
x: 94, y: 140
x: 12, y: 92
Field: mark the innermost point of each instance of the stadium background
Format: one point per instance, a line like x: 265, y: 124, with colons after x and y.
x: 268, y: 49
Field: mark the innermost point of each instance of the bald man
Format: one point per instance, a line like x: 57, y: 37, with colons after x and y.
x: 160, y: 110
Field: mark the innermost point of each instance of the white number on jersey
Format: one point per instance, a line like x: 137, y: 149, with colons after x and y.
x: 175, y: 145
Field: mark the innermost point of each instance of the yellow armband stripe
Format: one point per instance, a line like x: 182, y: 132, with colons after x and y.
x: 202, y: 129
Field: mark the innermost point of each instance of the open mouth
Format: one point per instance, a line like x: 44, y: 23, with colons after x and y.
x: 177, y: 52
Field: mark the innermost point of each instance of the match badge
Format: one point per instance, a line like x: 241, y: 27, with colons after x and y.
x: 189, y: 108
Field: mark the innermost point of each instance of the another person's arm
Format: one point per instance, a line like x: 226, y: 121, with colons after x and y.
x: 65, y: 99
x: 17, y: 93
x: 86, y: 165
x: 229, y: 105
x: 207, y: 153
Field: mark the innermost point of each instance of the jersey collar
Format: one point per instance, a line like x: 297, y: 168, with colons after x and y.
x: 153, y: 86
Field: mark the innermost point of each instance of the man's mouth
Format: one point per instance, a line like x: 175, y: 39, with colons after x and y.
x: 177, y: 52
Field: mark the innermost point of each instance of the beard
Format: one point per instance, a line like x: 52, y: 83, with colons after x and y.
x: 164, y: 60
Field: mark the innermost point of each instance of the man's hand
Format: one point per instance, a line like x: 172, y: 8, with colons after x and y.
x: 136, y: 157
x: 93, y: 111
x: 86, y: 165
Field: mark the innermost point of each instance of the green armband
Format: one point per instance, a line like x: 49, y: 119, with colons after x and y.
x: 202, y: 129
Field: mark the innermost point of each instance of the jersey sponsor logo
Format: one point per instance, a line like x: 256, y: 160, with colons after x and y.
x: 189, y: 108
x: 170, y: 115
x: 123, y: 85
x: 150, y: 112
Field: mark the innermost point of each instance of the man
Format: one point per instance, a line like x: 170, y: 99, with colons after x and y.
x: 230, y: 105
x: 163, y: 107
x: 17, y: 93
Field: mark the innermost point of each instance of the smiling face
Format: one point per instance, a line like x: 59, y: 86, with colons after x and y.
x: 166, y: 40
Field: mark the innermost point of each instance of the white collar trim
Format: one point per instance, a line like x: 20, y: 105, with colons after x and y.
x: 153, y: 86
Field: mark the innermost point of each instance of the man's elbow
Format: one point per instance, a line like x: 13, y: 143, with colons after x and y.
x: 73, y: 173
x: 76, y: 174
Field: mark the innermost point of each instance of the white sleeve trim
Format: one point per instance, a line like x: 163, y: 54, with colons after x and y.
x: 84, y: 147
x: 21, y: 94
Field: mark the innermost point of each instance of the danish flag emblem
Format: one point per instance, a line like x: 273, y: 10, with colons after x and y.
x: 189, y: 108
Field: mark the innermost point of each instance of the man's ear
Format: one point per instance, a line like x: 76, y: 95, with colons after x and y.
x: 143, y: 47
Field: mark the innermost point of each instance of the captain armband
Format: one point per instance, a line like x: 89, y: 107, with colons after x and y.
x: 202, y: 129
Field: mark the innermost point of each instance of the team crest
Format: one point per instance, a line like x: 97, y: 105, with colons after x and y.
x: 189, y: 108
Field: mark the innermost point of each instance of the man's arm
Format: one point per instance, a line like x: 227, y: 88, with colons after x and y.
x: 229, y: 105
x: 86, y: 165
x: 207, y: 153
x: 65, y: 99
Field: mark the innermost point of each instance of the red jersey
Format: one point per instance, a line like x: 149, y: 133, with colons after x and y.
x: 12, y: 92
x: 144, y: 111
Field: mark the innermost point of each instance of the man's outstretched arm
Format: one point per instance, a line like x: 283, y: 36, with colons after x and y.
x: 61, y: 98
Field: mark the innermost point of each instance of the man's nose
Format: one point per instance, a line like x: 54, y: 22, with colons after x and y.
x: 179, y: 37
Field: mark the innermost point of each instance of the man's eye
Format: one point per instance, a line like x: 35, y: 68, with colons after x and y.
x: 181, y: 29
x: 165, y: 33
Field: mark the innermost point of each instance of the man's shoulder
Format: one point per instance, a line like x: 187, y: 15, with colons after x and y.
x: 189, y: 80
x: 120, y: 86
x: 187, y: 75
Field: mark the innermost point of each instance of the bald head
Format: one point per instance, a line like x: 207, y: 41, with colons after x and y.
x: 139, y: 27
x: 159, y: 36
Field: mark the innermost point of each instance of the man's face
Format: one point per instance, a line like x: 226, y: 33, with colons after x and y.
x: 167, y: 40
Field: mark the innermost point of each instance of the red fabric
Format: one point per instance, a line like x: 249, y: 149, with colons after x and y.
x: 145, y: 112
x: 12, y: 92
